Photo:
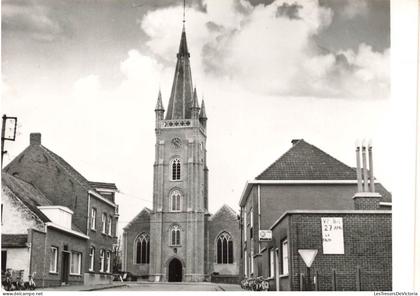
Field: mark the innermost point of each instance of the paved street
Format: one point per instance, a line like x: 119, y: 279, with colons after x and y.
x: 150, y: 286
x: 147, y: 286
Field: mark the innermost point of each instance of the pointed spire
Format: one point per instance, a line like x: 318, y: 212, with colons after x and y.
x: 183, y: 47
x: 159, y: 105
x: 195, y: 100
x: 203, y: 114
x: 181, y: 98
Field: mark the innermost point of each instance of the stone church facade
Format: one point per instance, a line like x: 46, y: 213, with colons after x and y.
x: 178, y: 239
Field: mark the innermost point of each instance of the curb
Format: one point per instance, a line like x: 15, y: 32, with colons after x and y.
x: 105, y: 288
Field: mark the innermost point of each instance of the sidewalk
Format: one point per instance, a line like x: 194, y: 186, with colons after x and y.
x: 84, y: 287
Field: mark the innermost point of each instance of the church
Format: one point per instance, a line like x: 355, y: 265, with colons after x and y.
x: 178, y: 239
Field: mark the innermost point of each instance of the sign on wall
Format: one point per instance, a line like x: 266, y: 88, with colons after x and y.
x: 265, y: 235
x: 332, y: 235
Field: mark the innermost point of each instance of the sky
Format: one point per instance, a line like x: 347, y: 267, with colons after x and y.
x: 86, y: 74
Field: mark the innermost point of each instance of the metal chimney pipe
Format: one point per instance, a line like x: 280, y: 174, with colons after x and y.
x: 358, y: 169
x: 365, y: 173
x: 372, y: 178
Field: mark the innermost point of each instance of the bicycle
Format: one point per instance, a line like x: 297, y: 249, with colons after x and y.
x: 31, y: 283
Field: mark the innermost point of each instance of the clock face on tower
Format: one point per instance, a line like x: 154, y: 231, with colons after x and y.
x: 176, y: 142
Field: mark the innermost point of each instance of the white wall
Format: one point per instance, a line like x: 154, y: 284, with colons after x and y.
x: 18, y: 259
x: 59, y: 215
x: 17, y: 218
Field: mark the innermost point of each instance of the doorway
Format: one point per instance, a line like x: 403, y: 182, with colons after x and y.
x: 175, y: 271
x: 3, y: 261
x: 65, y: 267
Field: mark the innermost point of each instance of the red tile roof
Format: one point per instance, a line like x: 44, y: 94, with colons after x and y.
x: 306, y: 162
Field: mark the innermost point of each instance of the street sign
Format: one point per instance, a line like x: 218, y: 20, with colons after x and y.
x: 265, y: 235
x: 308, y: 256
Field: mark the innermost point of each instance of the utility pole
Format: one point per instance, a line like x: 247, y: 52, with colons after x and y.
x: 10, y: 136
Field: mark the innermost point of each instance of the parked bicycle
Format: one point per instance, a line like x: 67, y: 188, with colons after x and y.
x: 255, y: 284
x: 13, y: 280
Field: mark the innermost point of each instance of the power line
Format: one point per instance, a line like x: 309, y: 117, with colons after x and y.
x: 134, y: 196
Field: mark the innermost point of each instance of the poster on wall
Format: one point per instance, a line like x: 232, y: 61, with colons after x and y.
x: 332, y: 235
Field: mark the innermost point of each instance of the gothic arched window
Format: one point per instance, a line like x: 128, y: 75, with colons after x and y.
x: 224, y: 248
x: 176, y: 169
x: 175, y: 235
x: 175, y: 201
x: 142, y: 245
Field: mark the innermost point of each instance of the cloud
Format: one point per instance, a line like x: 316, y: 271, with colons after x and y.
x: 32, y: 18
x: 269, y: 49
x: 354, y: 8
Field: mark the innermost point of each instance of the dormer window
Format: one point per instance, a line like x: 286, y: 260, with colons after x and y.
x: 176, y: 169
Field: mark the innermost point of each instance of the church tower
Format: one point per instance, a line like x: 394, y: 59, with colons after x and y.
x: 178, y: 221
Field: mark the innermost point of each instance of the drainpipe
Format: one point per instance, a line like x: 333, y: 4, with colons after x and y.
x: 259, y: 216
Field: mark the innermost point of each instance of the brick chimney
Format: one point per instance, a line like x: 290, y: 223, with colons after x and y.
x: 35, y: 139
x: 365, y: 198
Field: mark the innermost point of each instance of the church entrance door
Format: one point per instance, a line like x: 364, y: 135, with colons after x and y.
x: 175, y: 271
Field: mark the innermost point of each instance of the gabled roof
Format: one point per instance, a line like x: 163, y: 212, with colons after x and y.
x: 103, y: 185
x: 30, y: 196
x: 225, y: 210
x: 71, y: 171
x: 145, y: 211
x: 14, y: 240
x: 306, y: 162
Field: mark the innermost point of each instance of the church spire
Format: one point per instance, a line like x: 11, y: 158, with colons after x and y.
x: 203, y: 114
x: 181, y: 99
x: 195, y: 108
x: 159, y: 105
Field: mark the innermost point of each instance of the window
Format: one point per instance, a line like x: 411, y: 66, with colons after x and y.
x: 142, y: 246
x: 251, y: 224
x: 102, y: 258
x: 284, y: 258
x: 175, y: 235
x: 245, y: 263
x: 75, y: 262
x: 109, y: 225
x: 251, y: 262
x: 108, y: 261
x: 176, y: 169
x: 245, y: 226
x: 224, y: 248
x: 176, y: 201
x: 91, y: 258
x: 93, y: 219
x: 53, y: 259
x: 272, y: 262
x: 103, y: 223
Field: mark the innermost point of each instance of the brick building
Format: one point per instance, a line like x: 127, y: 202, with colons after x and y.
x: 303, y: 180
x: 92, y: 204
x: 364, y: 263
x: 178, y: 240
x: 39, y: 237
